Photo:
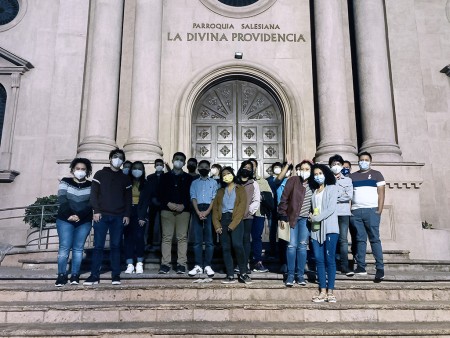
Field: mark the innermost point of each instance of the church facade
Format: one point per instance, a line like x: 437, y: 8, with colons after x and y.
x: 228, y: 80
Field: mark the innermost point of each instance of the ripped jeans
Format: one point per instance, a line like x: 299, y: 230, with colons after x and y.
x: 296, y: 249
x: 325, y: 255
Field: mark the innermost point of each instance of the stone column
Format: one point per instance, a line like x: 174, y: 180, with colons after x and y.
x: 331, y: 81
x: 142, y: 143
x: 377, y: 113
x: 101, y: 117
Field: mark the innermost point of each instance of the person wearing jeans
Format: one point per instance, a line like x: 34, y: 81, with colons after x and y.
x: 367, y: 206
x: 203, y: 190
x: 111, y: 198
x: 324, y: 230
x: 74, y: 219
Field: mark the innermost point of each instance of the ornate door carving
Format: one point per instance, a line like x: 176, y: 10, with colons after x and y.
x: 237, y: 120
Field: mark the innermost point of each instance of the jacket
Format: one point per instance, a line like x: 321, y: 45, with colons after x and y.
x: 328, y: 216
x: 291, y: 201
x: 253, y: 198
x: 240, y: 207
x: 266, y: 196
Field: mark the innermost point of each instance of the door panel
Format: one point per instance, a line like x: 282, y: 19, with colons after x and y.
x: 237, y: 120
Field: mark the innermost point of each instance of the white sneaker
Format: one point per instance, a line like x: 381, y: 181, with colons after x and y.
x: 209, y: 271
x: 196, y: 270
x: 130, y: 268
x: 139, y: 267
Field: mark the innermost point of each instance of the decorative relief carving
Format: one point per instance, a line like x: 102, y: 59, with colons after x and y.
x: 404, y: 185
x: 270, y: 134
x: 266, y: 115
x: 225, y: 150
x: 204, y: 113
x: 249, y: 134
x: 271, y: 151
x: 225, y: 133
x: 203, y: 151
x: 249, y: 151
x: 203, y: 133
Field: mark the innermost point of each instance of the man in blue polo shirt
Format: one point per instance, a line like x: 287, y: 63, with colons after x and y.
x: 367, y: 206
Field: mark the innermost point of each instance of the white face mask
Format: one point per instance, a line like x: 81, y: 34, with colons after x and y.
x: 305, y: 175
x: 277, y: 170
x: 364, y: 165
x: 116, y: 162
x: 214, y: 171
x: 136, y: 173
x: 178, y: 164
x: 79, y: 174
x: 159, y: 168
x: 336, y: 169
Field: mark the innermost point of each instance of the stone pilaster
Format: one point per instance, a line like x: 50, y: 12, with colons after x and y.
x: 142, y: 143
x: 100, y: 131
x: 377, y: 113
x: 331, y: 81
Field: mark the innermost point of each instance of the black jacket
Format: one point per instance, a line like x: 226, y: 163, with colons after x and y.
x: 175, y: 189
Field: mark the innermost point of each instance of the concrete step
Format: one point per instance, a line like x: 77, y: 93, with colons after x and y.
x: 224, y: 329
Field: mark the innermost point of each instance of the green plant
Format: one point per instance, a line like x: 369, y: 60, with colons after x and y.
x: 426, y: 225
x: 45, y: 207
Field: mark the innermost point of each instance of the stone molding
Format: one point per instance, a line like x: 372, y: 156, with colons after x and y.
x: 404, y: 185
x: 238, y: 12
x: 23, y: 5
x: 290, y: 103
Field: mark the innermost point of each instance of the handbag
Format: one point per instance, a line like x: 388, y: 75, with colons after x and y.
x: 284, y: 234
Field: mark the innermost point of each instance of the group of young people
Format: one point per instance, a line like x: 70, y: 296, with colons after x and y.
x: 318, y: 203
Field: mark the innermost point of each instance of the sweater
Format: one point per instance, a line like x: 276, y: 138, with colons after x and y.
x: 253, y: 198
x: 111, y: 193
x: 73, y: 199
x: 240, y: 206
x: 175, y: 189
x: 328, y: 217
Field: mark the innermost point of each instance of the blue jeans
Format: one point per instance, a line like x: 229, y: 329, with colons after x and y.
x: 367, y: 224
x: 202, y: 233
x: 232, y: 238
x: 71, y: 237
x: 343, y: 241
x: 296, y: 249
x: 133, y: 235
x: 248, y: 223
x: 325, y: 255
x: 257, y: 230
x: 115, y: 226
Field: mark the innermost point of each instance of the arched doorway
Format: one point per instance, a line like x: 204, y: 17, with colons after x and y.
x: 235, y: 120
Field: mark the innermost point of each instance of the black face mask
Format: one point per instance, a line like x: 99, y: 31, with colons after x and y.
x: 245, y: 173
x: 203, y: 172
x: 191, y: 168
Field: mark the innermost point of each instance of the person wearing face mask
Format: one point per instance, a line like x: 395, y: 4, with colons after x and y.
x: 111, y: 200
x: 229, y: 207
x: 345, y: 193
x: 274, y: 183
x: 215, y: 172
x: 192, y: 168
x: 133, y: 233
x: 203, y: 190
x: 367, y: 206
x: 346, y: 168
x: 74, y: 219
x: 245, y: 179
x: 126, y: 167
x: 293, y: 212
x: 324, y: 230
x: 174, y: 195
x: 149, y: 207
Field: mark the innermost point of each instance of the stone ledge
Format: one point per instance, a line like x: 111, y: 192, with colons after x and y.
x: 8, y: 176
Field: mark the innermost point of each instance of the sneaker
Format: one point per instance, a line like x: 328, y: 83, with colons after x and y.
x: 130, y: 268
x: 350, y: 273
x: 115, y: 280
x: 229, y: 280
x: 75, y: 279
x: 236, y: 269
x: 301, y: 282
x: 360, y: 271
x: 379, y: 276
x: 320, y: 298
x: 181, y: 269
x: 164, y: 269
x: 209, y: 271
x: 197, y: 270
x: 139, y: 267
x: 259, y: 267
x: 92, y: 280
x: 289, y: 281
x: 245, y: 279
x: 61, y: 280
x: 331, y: 298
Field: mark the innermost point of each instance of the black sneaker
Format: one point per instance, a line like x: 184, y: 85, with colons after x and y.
x: 360, y: 271
x: 181, y: 269
x: 164, y: 269
x: 91, y: 280
x: 74, y: 279
x: 61, y: 280
x: 245, y: 279
x: 229, y: 280
x: 115, y: 280
x: 259, y: 267
x: 379, y: 276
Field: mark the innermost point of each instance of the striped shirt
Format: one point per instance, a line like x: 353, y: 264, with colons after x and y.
x: 365, y: 188
x: 306, y: 206
x: 73, y: 199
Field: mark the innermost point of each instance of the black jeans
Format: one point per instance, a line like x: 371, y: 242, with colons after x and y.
x: 248, y: 224
x: 235, y: 238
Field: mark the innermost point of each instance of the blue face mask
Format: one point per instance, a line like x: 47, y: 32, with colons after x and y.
x: 319, y: 179
x: 364, y: 165
x: 126, y: 171
x: 345, y: 171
